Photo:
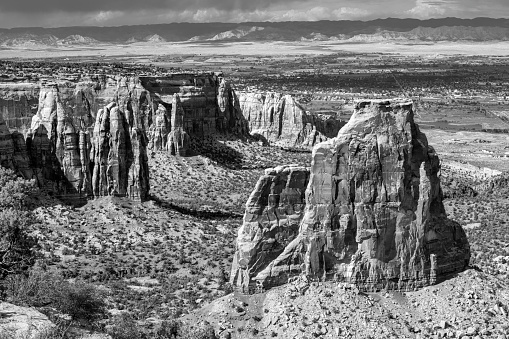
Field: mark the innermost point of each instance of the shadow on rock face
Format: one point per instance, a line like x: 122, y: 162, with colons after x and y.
x: 372, y: 215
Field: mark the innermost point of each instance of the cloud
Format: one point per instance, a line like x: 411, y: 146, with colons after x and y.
x: 73, y: 6
x: 53, y: 13
x: 429, y: 9
x: 424, y: 9
x: 105, y: 16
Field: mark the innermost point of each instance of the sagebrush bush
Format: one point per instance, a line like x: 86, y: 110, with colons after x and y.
x: 81, y: 301
x: 17, y: 247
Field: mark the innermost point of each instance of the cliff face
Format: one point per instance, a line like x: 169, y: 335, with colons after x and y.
x: 85, y: 138
x: 280, y: 120
x: 18, y: 104
x: 271, y: 221
x: 13, y: 152
x: 179, y: 141
x: 72, y: 160
x: 374, y: 215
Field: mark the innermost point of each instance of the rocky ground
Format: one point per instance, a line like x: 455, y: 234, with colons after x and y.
x: 471, y: 304
x: 167, y: 255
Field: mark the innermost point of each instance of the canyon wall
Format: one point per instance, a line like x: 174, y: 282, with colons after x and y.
x: 373, y: 212
x: 91, y: 137
x: 77, y: 155
x: 280, y: 120
x: 271, y: 221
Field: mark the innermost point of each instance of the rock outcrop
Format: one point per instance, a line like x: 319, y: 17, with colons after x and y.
x: 279, y: 119
x: 271, y: 221
x: 18, y: 104
x: 76, y: 148
x: 159, y: 130
x: 119, y: 156
x: 23, y: 322
x: 13, y: 152
x: 77, y: 156
x: 373, y: 216
x: 179, y: 141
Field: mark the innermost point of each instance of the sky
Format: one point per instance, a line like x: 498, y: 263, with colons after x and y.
x: 58, y: 13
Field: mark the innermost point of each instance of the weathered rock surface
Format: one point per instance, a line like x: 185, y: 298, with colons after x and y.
x: 179, y: 141
x: 374, y: 215
x: 271, y: 221
x: 280, y: 120
x: 159, y: 130
x: 119, y: 156
x: 13, y: 152
x: 22, y: 322
x: 18, y: 104
x: 69, y: 158
x: 77, y: 148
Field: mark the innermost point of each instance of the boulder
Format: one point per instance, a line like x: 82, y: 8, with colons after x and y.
x: 373, y: 212
x: 22, y: 322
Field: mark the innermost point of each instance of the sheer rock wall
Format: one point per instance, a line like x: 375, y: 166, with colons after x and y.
x: 78, y: 133
x: 280, y: 120
x: 373, y: 212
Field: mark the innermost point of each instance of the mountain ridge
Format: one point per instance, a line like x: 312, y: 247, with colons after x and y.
x: 443, y: 29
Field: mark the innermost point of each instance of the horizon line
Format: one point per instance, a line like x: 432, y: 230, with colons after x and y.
x: 253, y: 22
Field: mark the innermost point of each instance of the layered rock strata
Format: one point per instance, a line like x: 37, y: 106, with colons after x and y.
x: 179, y: 141
x: 209, y: 104
x: 280, y: 120
x: 77, y: 148
x: 77, y: 156
x: 13, y: 152
x: 271, y: 221
x: 373, y: 212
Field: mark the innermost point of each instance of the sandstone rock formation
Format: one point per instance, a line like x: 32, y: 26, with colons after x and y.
x: 280, y: 120
x: 22, y: 322
x: 374, y: 215
x: 271, y: 221
x: 18, y: 104
x: 119, y: 156
x: 77, y: 149
x: 13, y: 152
x: 159, y: 130
x: 73, y: 161
x: 179, y: 141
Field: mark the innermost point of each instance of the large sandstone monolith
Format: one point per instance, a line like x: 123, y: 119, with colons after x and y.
x: 374, y: 215
x: 119, y: 156
x: 281, y: 120
x: 158, y: 132
x: 179, y: 142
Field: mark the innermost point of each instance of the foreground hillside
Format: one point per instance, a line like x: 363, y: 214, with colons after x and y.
x: 471, y: 304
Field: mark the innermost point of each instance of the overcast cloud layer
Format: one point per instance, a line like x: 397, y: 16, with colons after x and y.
x: 55, y: 13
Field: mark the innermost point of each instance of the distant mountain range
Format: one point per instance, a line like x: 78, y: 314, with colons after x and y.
x: 446, y: 29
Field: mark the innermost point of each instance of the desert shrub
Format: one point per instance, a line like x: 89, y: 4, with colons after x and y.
x: 32, y: 289
x: 168, y: 329
x: 81, y: 301
x: 203, y: 330
x: 17, y: 247
x: 124, y: 327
